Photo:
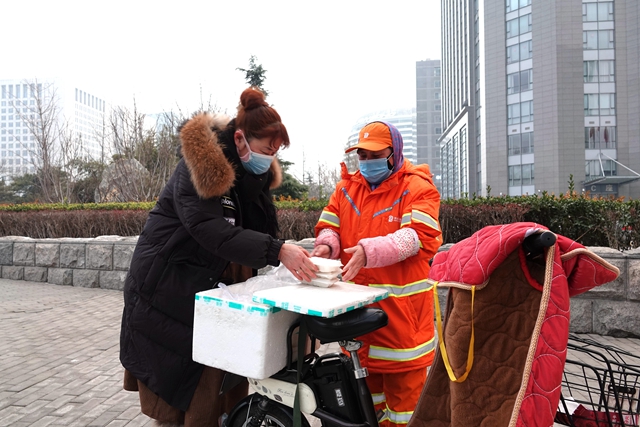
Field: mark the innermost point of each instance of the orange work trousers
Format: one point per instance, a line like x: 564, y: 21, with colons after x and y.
x: 396, y: 395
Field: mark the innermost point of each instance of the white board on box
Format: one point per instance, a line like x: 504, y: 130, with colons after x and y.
x: 321, y: 302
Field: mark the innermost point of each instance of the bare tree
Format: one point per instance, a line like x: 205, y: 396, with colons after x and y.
x: 167, y: 144
x: 67, y: 171
x: 50, y: 144
x: 127, y: 179
x: 141, y: 156
x: 144, y: 158
x: 95, y: 167
x: 102, y: 136
x: 52, y: 147
x: 322, y: 185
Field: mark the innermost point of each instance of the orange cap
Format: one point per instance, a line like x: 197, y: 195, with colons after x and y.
x: 375, y: 136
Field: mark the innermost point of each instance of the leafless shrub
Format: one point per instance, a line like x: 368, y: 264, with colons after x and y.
x: 459, y: 222
x: 297, y: 225
x: 86, y: 224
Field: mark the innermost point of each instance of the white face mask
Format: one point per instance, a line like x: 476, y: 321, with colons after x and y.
x: 257, y: 163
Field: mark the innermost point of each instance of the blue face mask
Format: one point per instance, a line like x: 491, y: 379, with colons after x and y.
x: 257, y: 163
x: 376, y: 170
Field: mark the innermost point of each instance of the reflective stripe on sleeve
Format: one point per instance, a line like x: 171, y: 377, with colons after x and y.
x: 406, y: 220
x: 402, y: 354
x: 330, y: 218
x: 405, y: 290
x: 425, y: 219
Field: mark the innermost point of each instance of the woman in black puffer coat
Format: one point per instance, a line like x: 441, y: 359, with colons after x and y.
x: 214, y: 222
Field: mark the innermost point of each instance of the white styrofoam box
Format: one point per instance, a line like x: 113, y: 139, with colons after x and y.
x: 322, y: 302
x: 247, y: 339
x: 326, y: 264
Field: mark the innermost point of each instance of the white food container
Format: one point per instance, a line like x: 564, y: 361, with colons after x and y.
x: 327, y: 265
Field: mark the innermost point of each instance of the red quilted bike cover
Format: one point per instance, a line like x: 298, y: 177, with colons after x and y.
x: 489, y: 261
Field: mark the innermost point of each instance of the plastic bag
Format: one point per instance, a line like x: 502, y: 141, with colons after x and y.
x: 243, y: 291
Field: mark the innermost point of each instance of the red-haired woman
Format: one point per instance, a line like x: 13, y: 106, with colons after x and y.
x: 214, y: 222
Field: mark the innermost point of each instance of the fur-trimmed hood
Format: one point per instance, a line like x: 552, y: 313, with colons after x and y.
x: 212, y: 173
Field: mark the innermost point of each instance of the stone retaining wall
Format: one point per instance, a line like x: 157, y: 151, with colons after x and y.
x: 102, y: 262
x: 611, y: 309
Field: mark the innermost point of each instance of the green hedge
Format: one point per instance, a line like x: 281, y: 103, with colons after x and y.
x: 305, y: 205
x: 614, y: 223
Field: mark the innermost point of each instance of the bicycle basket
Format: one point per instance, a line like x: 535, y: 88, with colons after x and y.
x: 600, y: 387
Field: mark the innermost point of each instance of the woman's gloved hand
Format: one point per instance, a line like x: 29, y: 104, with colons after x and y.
x: 321, y: 251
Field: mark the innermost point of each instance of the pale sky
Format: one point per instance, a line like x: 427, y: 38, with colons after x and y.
x: 328, y: 63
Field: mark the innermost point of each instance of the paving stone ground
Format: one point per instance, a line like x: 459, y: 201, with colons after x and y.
x: 59, y: 362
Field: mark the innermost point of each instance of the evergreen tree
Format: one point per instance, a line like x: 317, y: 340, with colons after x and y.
x: 290, y: 186
x: 23, y: 189
x: 6, y: 195
x: 255, y: 74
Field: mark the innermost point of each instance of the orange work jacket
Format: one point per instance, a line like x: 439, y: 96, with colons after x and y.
x: 408, y: 198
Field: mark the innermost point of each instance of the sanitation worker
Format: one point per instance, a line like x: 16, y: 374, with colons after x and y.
x: 382, y: 223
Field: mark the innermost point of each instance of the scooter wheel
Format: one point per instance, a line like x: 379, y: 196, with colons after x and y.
x: 277, y: 415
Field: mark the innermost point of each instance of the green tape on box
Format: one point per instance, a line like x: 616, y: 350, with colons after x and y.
x: 260, y: 310
x: 322, y: 302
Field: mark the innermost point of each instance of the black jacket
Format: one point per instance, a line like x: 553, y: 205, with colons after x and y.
x: 191, y: 235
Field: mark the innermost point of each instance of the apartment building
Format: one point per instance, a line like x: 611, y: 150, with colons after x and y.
x: 538, y: 92
x: 429, y: 116
x: 34, y: 111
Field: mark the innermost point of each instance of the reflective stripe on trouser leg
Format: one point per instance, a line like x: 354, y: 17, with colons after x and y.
x: 398, y: 418
x: 402, y: 391
x: 374, y: 382
x: 378, y: 398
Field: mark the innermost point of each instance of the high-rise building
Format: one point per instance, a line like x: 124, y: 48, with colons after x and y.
x: 402, y: 118
x: 44, y: 118
x: 428, y: 115
x: 574, y: 63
